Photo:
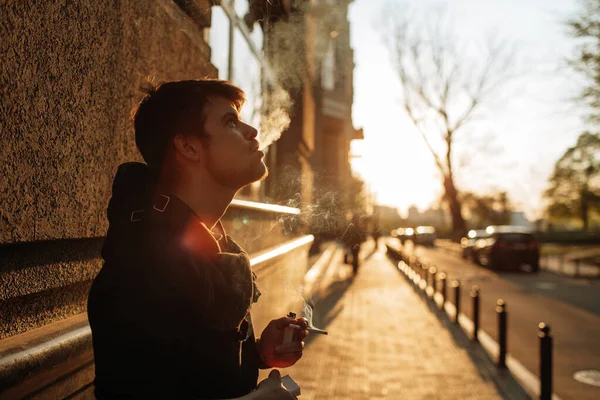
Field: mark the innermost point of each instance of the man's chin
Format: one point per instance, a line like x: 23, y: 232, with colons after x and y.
x: 261, y: 174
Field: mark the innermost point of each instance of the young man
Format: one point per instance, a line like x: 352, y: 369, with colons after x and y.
x: 170, y: 309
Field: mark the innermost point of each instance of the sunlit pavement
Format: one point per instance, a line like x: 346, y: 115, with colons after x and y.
x: 570, y: 306
x: 385, y: 342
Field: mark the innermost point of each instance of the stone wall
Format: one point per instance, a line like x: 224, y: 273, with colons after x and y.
x: 70, y: 77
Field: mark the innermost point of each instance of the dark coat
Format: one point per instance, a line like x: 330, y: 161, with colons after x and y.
x: 353, y: 236
x: 170, y: 309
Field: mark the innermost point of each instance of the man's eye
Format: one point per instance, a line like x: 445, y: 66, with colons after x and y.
x: 232, y: 123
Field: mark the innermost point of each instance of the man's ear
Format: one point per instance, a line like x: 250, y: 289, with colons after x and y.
x: 187, y: 146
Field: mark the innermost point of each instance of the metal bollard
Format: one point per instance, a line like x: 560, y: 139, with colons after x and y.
x: 432, y: 274
x: 475, y: 297
x: 502, y: 326
x: 545, y: 362
x: 456, y: 286
x: 443, y: 278
x: 416, y: 272
x: 411, y: 261
x: 425, y: 276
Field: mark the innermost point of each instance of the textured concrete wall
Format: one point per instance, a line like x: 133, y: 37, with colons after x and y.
x: 69, y: 77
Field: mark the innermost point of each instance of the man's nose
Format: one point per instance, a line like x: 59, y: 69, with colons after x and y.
x: 251, y: 132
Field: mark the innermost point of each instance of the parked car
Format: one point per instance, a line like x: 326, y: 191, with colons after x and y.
x: 425, y: 236
x: 403, y: 234
x: 409, y: 234
x: 508, y: 248
x: 468, y: 242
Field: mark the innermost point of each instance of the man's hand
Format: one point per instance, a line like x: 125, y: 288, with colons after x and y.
x: 271, y: 348
x: 272, y: 389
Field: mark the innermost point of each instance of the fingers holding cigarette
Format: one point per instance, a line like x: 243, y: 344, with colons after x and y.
x: 310, y: 329
x: 293, y: 348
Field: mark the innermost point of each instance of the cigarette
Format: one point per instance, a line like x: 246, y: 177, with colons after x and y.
x: 310, y: 329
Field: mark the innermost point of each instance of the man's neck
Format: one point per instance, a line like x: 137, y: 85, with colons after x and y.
x: 208, y: 199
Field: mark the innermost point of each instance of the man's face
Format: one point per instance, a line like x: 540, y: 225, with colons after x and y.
x: 232, y: 156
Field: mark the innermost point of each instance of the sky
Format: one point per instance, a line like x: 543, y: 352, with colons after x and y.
x: 525, y: 131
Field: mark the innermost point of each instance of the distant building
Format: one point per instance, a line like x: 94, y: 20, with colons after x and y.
x: 436, y: 217
x: 413, y: 213
x: 518, y: 218
x: 387, y: 218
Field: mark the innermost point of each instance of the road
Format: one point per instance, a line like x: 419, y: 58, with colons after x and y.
x: 571, y: 308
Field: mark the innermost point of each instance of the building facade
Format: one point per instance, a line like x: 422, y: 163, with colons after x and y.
x: 334, y: 127
x: 306, y: 54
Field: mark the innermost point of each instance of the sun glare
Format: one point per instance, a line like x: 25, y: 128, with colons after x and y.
x: 395, y: 171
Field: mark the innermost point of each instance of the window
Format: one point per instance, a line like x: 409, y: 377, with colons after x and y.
x: 328, y: 68
x: 219, y: 41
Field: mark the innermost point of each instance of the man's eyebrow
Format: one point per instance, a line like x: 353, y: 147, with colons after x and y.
x: 229, y: 114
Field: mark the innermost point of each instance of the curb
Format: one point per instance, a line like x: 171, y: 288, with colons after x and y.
x: 576, y: 272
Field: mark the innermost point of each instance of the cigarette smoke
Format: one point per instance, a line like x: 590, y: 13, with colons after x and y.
x: 307, y: 312
x: 293, y: 61
x: 308, y: 35
x: 275, y: 116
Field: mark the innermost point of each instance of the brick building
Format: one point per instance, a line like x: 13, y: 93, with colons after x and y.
x: 307, y: 46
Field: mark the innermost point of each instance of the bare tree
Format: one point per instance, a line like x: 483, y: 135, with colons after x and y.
x: 445, y: 81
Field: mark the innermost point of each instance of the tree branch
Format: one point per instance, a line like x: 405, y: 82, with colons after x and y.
x: 417, y: 125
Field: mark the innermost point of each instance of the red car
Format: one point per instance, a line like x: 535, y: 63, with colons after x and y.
x: 508, y: 248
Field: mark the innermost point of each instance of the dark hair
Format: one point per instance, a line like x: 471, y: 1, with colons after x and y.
x: 169, y: 108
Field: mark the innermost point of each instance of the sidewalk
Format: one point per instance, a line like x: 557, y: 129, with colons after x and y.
x: 385, y: 342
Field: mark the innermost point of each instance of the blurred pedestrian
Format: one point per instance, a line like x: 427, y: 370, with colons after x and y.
x: 352, y: 239
x: 170, y: 308
x: 376, y: 231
